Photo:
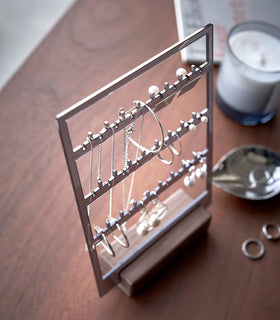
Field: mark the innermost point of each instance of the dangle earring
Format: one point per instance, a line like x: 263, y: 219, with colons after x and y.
x: 99, y: 154
x: 159, y: 207
x: 202, y: 171
x: 89, y: 138
x: 124, y: 243
x: 125, y: 158
x: 189, y: 181
x: 154, y: 220
x: 148, y: 221
x: 142, y: 226
x: 110, y: 217
x: 104, y: 242
x: 136, y: 157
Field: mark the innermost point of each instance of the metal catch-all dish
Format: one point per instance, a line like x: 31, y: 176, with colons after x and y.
x: 249, y: 172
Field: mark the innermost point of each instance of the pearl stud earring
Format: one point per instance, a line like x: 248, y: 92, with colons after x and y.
x: 153, y: 91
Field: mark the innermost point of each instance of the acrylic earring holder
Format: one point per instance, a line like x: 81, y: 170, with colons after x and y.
x: 187, y: 218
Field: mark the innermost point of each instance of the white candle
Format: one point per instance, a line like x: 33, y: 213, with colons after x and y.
x: 249, y: 77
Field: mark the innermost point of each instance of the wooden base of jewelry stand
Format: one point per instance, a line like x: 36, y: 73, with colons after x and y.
x: 141, y: 270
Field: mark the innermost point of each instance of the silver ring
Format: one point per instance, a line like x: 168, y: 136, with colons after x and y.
x: 249, y: 255
x: 268, y: 235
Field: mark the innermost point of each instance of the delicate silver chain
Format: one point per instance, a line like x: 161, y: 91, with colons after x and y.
x: 124, y: 148
x: 125, y: 139
x: 112, y: 168
x: 125, y: 158
x: 90, y: 171
x: 99, y: 152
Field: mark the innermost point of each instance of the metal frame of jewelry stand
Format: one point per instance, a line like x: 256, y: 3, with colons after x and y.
x: 157, y: 102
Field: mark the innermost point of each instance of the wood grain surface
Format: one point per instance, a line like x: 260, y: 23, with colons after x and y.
x: 45, y: 271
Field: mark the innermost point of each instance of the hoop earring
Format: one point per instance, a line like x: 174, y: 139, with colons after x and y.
x: 142, y: 104
x: 105, y: 242
x: 177, y: 153
x: 124, y: 244
x: 164, y: 160
x: 202, y: 171
x: 110, y: 216
x: 189, y: 180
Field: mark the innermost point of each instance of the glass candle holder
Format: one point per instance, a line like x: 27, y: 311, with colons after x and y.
x: 248, y: 84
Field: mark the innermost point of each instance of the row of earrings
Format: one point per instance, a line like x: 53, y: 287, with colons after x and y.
x: 154, y: 92
x: 152, y: 219
x: 173, y: 151
x: 181, y: 74
x: 200, y: 172
x: 149, y: 220
x: 105, y: 241
x: 146, y: 223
